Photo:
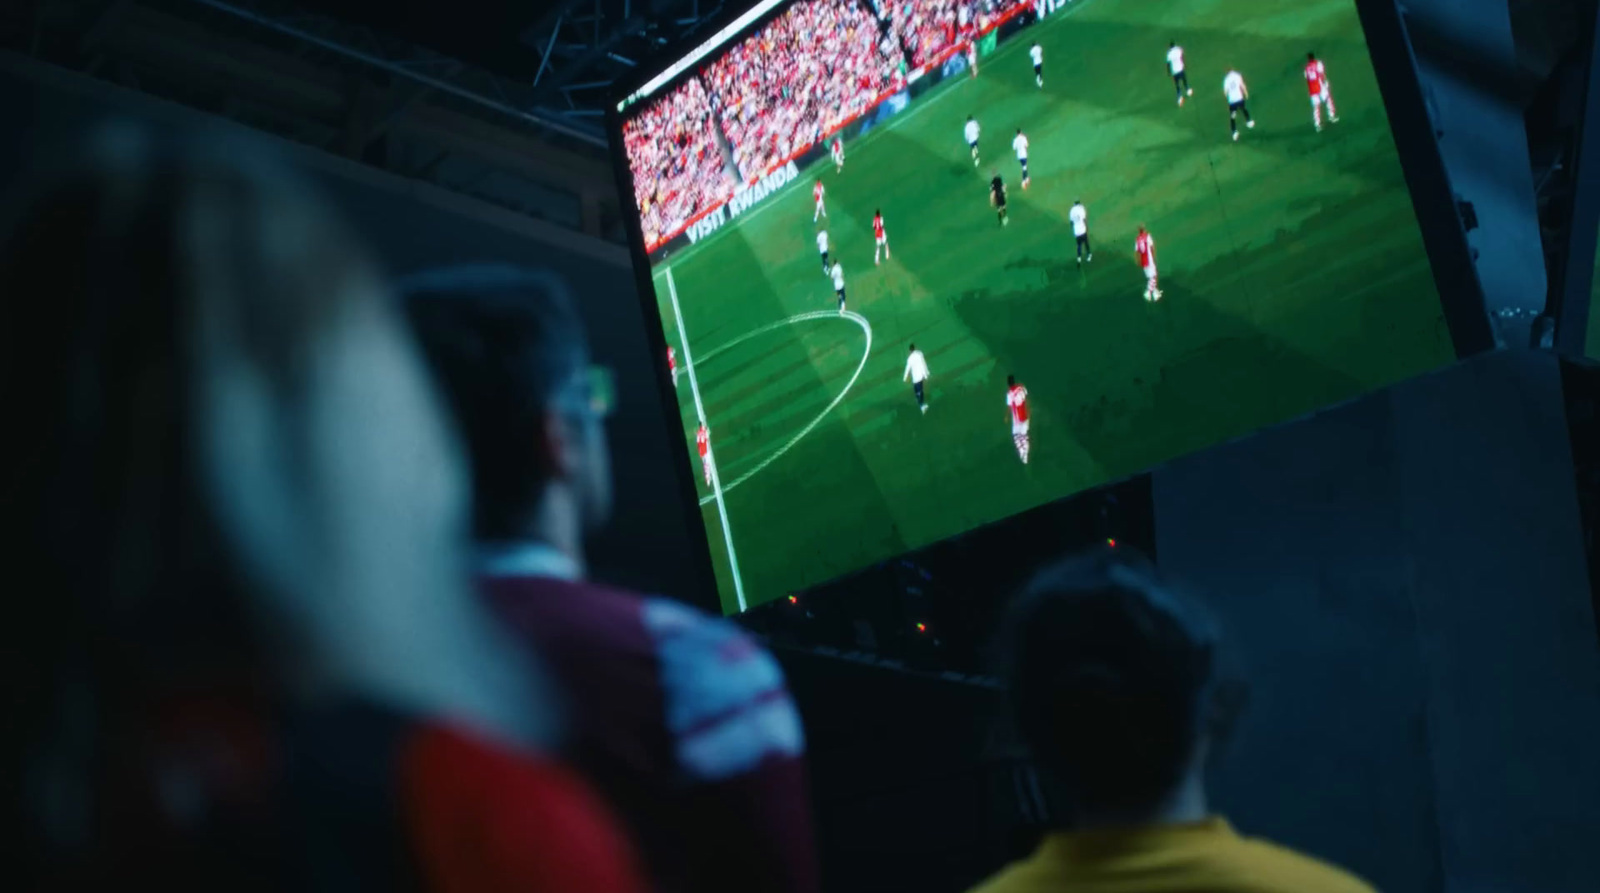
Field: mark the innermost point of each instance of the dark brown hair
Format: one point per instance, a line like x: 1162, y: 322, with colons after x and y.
x: 1109, y: 673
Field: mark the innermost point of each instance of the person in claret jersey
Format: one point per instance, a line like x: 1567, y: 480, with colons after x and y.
x: 679, y: 717
x: 1113, y: 685
x: 246, y: 656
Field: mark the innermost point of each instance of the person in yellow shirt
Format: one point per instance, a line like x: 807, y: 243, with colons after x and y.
x: 1113, y: 687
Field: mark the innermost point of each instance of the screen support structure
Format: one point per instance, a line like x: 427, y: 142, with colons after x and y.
x: 1451, y: 258
x: 1583, y: 231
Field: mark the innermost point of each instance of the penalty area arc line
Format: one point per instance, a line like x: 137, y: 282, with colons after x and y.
x: 866, y: 329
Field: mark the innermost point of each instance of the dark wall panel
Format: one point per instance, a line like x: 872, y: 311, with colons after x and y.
x: 1507, y: 628
x: 1404, y: 580
x: 1293, y: 538
x: 646, y: 545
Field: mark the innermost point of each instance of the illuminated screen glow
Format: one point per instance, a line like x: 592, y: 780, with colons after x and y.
x: 1291, y: 270
x: 1591, y: 339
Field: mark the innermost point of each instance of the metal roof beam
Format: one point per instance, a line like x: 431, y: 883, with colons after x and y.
x: 582, y: 64
x: 591, y: 135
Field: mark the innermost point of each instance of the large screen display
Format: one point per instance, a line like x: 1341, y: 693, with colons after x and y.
x: 923, y: 264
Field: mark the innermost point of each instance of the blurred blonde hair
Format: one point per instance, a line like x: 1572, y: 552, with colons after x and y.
x: 229, y: 463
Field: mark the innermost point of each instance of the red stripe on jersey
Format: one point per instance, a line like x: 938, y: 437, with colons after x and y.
x: 877, y: 227
x: 1316, y: 77
x: 1146, y: 247
x: 1017, y: 399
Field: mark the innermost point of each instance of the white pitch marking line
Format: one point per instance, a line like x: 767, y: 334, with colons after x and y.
x: 711, y: 455
x: 854, y: 317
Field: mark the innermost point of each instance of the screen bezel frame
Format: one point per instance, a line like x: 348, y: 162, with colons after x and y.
x: 1433, y: 201
x: 1575, y: 290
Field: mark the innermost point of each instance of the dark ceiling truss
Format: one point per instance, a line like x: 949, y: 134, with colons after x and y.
x: 408, y: 62
x: 584, y: 46
x: 342, y: 89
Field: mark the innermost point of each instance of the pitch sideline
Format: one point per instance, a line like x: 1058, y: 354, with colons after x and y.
x: 854, y: 317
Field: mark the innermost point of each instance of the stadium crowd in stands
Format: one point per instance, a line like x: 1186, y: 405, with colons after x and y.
x: 929, y: 27
x: 783, y: 88
x: 678, y: 169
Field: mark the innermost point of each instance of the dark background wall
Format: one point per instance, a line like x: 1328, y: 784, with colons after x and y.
x: 413, y: 226
x: 1404, y: 581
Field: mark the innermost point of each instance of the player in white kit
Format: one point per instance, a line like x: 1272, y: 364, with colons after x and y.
x: 838, y: 284
x: 838, y: 155
x: 1020, y: 144
x: 1079, y: 215
x: 1180, y: 75
x: 971, y: 133
x: 1238, y: 94
x: 917, y: 371
x: 822, y: 249
x: 1037, y: 54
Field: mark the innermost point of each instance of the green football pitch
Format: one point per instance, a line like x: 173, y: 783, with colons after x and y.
x: 1291, y: 263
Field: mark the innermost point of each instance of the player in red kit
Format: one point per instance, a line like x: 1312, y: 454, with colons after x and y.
x: 881, y: 241
x: 816, y: 192
x: 1317, y: 83
x: 1017, y: 406
x: 838, y: 155
x: 1145, y: 246
x: 702, y: 439
x: 672, y: 365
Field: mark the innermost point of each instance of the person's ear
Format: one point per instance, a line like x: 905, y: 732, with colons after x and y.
x: 1226, y: 704
x: 560, y: 445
